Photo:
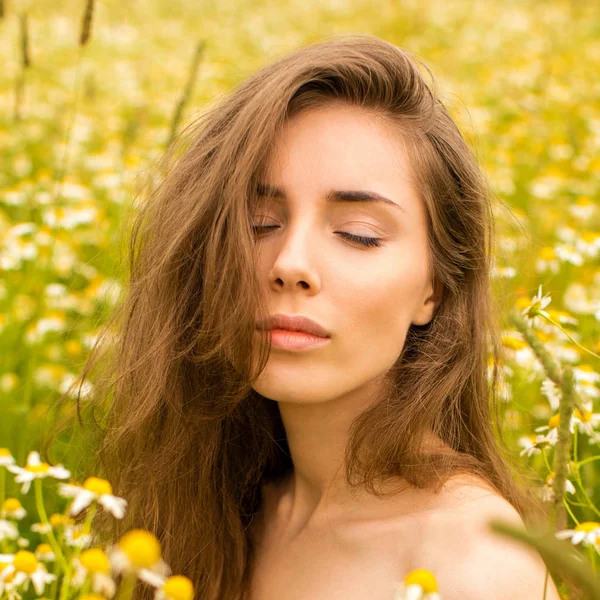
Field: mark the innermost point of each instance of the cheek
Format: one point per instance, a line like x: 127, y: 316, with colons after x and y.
x: 379, y: 301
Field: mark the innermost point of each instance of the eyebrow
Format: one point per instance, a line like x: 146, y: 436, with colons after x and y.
x: 264, y: 189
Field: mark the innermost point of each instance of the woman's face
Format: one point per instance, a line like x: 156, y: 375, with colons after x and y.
x: 366, y: 296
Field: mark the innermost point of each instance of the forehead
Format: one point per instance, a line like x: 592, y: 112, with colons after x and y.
x: 339, y: 148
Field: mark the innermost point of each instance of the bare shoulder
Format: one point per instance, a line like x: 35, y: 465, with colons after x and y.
x: 469, y: 560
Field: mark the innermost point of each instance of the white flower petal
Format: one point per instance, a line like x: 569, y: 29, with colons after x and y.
x: 33, y: 460
x: 59, y: 472
x: 564, y: 534
x: 154, y: 579
x: 40, y: 577
x: 82, y: 500
x: 577, y: 537
x: 68, y: 490
x: 114, y: 505
x: 103, y: 584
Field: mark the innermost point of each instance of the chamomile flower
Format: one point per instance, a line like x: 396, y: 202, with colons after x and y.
x: 44, y: 552
x: 585, y: 374
x: 12, y: 509
x: 8, y: 587
x: 35, y: 469
x: 538, y: 303
x: 6, y: 458
x: 532, y: 444
x: 176, y: 587
x: 94, y: 562
x: 568, y: 253
x: 552, y: 428
x: 8, y: 530
x: 418, y: 585
x: 41, y: 528
x: 92, y: 489
x: 59, y: 520
x: 586, y: 533
x: 138, y: 550
x: 547, y: 493
x: 551, y: 391
x: 75, y: 537
x: 25, y: 567
x: 587, y: 421
x: 547, y: 261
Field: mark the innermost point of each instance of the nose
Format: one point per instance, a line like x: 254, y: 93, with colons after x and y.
x: 296, y: 262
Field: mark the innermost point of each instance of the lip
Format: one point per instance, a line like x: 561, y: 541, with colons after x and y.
x: 284, y: 339
x: 294, y: 323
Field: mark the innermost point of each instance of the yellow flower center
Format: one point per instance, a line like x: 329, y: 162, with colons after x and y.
x: 424, y: 578
x: 91, y: 597
x: 41, y: 468
x: 554, y: 421
x: 141, y: 547
x: 589, y: 236
x: 178, y: 587
x: 95, y: 560
x: 547, y: 253
x: 513, y: 343
x: 542, y: 336
x: 57, y: 519
x: 586, y: 417
x: 98, y: 486
x: 25, y: 561
x: 587, y: 526
x: 44, y: 549
x: 11, y: 505
x: 5, y: 452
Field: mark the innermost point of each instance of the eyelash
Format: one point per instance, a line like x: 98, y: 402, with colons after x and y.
x: 359, y: 239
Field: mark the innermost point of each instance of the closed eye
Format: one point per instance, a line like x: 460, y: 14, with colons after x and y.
x: 359, y: 239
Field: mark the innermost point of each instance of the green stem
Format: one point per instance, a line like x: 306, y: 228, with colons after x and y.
x: 39, y: 503
x: 87, y: 585
x: 578, y: 476
x: 546, y: 460
x: 585, y: 494
x: 64, y: 591
x: 548, y: 362
x: 587, y: 460
x: 566, y: 503
x: 66, y: 583
x: 550, y: 320
x: 126, y: 588
x: 54, y: 585
x: 572, y: 503
x: 26, y: 406
x: 592, y: 555
x: 87, y: 525
x: 2, y: 486
x: 562, y: 449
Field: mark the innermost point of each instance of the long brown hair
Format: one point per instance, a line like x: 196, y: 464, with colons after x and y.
x: 187, y: 441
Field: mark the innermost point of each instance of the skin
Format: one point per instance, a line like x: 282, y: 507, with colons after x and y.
x: 314, y: 538
x: 367, y: 297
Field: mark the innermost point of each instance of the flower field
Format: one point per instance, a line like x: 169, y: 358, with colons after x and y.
x: 91, y: 95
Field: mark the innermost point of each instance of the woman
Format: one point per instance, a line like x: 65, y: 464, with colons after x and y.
x: 333, y: 186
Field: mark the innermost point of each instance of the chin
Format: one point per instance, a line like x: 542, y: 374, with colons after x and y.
x: 294, y: 392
